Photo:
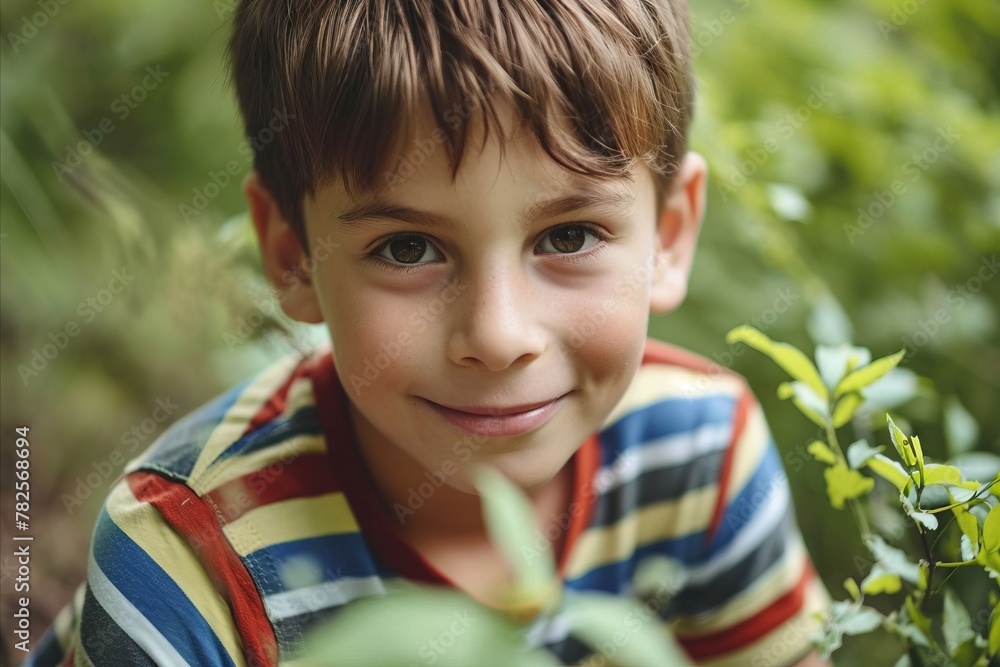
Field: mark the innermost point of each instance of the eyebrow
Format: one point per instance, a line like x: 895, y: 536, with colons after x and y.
x: 606, y: 198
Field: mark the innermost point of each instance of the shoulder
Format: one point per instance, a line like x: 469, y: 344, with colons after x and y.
x: 668, y: 452
x: 673, y: 373
x: 266, y: 419
x: 678, y: 400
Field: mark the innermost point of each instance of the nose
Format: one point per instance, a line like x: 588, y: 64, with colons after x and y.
x: 496, y: 324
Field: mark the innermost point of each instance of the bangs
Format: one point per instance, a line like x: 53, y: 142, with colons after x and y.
x: 599, y: 88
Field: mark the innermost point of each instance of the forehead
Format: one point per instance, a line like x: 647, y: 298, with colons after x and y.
x: 500, y: 167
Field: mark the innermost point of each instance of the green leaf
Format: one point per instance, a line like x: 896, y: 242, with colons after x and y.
x: 917, y: 617
x: 658, y: 577
x: 898, y: 386
x: 420, y: 618
x: 899, y: 441
x: 846, y: 407
x: 844, y: 484
x: 956, y: 625
x: 893, y: 560
x: 880, y: 581
x: 821, y: 452
x: 806, y: 400
x: 834, y: 362
x: 828, y: 323
x: 888, y: 470
x: 624, y: 629
x: 935, y: 473
x: 510, y: 522
x: 859, y: 452
x: 960, y: 428
x: 969, y: 525
x: 991, y: 531
x: 788, y: 357
x: 925, y: 519
x: 852, y: 588
x: 863, y: 377
x: 860, y: 621
x: 918, y: 453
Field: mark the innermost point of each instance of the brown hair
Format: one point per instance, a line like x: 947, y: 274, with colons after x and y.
x: 600, y: 83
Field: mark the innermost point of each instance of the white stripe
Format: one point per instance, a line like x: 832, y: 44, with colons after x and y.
x: 763, y: 523
x: 671, y: 450
x: 548, y: 631
x: 756, y: 530
x: 321, y: 596
x: 131, y: 620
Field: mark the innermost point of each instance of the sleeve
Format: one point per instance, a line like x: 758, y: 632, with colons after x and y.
x: 149, y: 598
x: 753, y: 601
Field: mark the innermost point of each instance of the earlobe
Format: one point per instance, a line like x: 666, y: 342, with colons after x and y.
x: 677, y: 234
x: 285, y: 262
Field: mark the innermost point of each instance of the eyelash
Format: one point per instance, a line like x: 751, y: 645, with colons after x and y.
x: 375, y: 258
x: 596, y: 251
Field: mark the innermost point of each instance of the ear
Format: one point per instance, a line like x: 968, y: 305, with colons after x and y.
x: 285, y: 262
x: 677, y: 234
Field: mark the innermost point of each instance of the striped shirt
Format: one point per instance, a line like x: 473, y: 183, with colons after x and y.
x: 254, y: 518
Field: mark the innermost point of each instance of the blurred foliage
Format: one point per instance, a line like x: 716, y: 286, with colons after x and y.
x: 807, y: 112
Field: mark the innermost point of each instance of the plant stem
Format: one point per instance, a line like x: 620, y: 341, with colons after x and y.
x: 928, y: 554
x: 856, y: 509
x: 963, y: 563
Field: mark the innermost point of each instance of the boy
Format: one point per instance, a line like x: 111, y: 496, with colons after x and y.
x: 483, y: 202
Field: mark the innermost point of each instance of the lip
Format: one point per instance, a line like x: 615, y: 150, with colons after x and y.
x: 499, y: 421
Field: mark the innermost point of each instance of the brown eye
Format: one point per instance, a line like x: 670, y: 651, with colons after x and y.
x: 409, y: 250
x: 569, y: 240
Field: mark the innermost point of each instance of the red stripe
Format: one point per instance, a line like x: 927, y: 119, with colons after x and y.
x: 198, y: 524
x: 586, y: 462
x: 304, y: 476
x: 276, y: 405
x: 752, y: 629
x: 739, y: 422
x: 658, y: 352
x: 383, y: 536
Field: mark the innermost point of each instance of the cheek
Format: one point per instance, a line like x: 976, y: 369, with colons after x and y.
x: 374, y: 340
x: 608, y: 328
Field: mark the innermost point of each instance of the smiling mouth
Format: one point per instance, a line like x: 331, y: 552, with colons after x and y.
x: 499, y: 421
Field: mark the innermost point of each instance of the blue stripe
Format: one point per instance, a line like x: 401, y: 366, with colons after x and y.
x: 178, y: 448
x: 690, y: 549
x: 665, y: 418
x: 749, y: 501
x: 151, y: 590
x: 348, y: 551
x: 616, y: 577
x: 303, y: 422
x: 47, y: 653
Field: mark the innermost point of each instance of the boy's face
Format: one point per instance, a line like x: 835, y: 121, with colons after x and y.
x: 494, y: 319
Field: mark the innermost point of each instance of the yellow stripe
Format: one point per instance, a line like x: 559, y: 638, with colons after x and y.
x: 235, y: 421
x: 278, y: 455
x: 288, y: 520
x: 80, y: 657
x: 658, y: 382
x: 666, y: 520
x: 749, y: 452
x: 787, y: 642
x: 147, y: 528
